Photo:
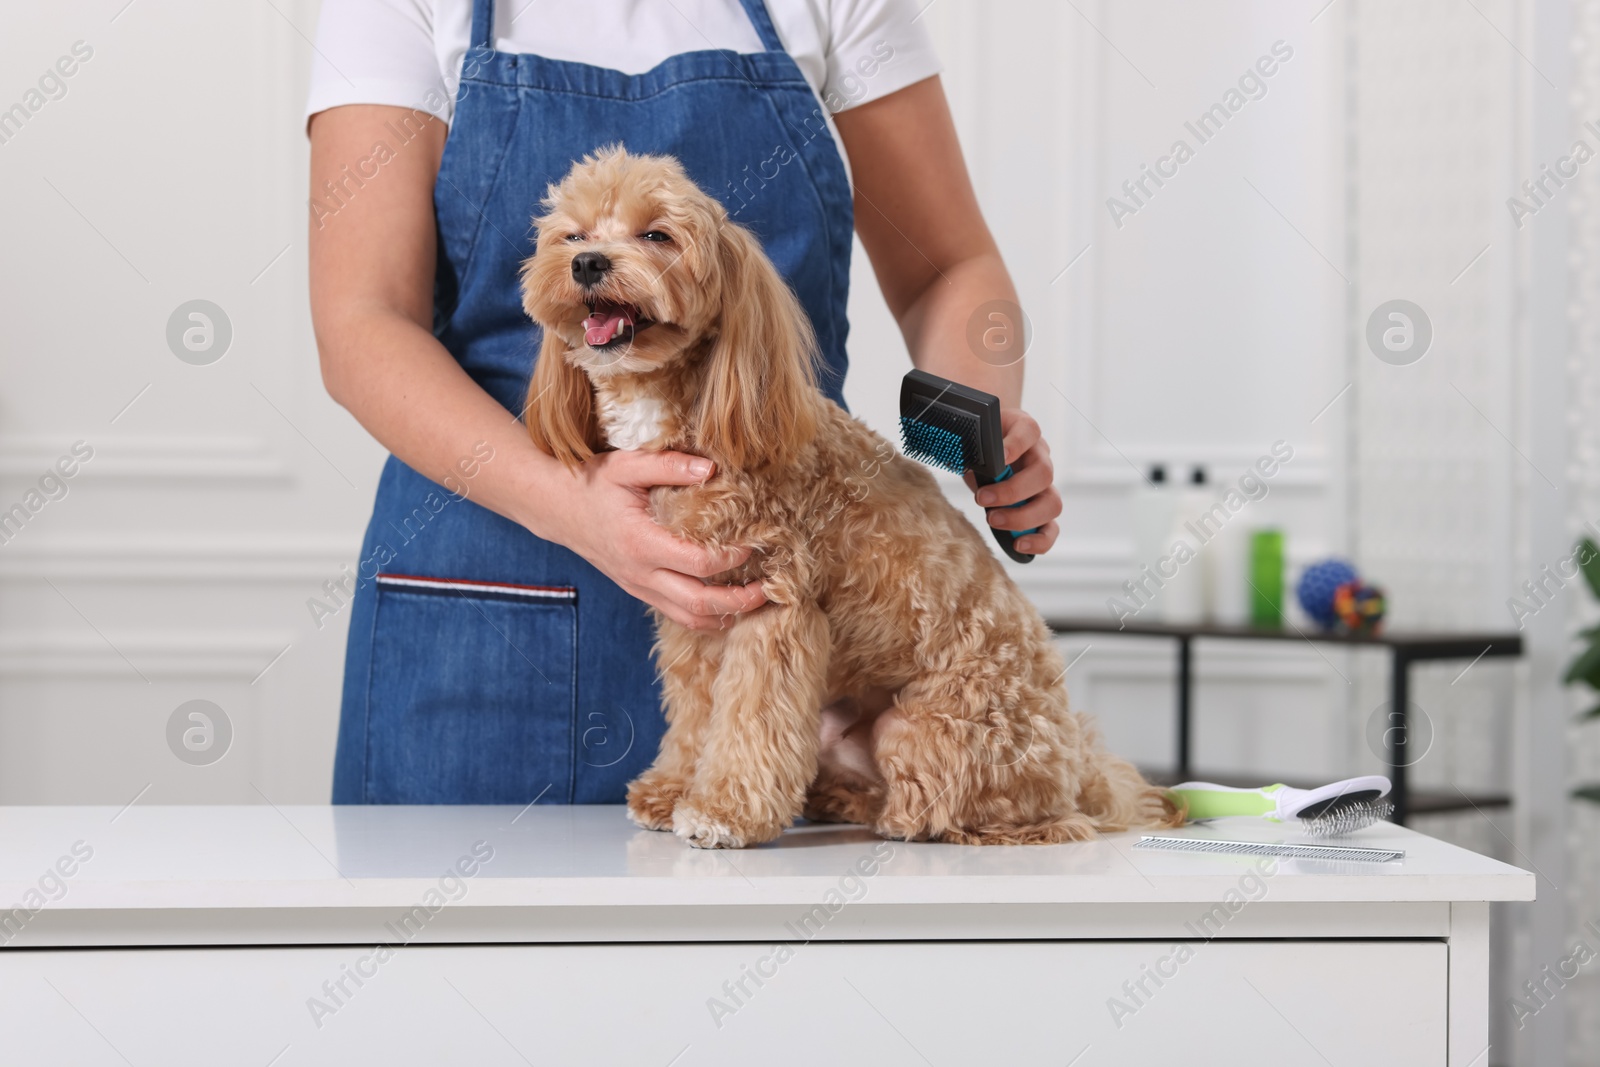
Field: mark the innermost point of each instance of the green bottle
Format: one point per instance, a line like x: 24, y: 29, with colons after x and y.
x: 1266, y: 578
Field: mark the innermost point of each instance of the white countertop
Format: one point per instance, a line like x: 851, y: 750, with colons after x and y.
x: 571, y: 920
x: 264, y: 857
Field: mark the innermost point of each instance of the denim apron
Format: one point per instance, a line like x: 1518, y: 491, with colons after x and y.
x: 484, y: 665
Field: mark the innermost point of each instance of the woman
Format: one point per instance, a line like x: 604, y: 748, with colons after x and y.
x: 501, y: 653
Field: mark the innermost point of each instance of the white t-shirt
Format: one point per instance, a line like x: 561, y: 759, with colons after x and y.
x: 408, y: 53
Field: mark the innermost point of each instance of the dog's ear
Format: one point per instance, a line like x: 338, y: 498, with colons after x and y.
x: 560, y: 409
x: 758, y: 402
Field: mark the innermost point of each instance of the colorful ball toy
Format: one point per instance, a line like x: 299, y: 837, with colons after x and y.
x: 1359, y: 607
x: 1316, y: 589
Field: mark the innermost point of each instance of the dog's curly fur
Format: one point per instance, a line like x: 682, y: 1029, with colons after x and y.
x: 889, y: 612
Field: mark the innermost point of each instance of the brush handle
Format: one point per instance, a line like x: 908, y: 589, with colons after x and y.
x: 1007, y: 539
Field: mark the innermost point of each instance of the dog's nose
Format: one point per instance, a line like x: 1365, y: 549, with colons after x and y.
x: 588, y: 268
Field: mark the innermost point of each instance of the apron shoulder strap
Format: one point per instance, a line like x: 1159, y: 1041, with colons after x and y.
x: 483, y: 24
x: 759, y: 18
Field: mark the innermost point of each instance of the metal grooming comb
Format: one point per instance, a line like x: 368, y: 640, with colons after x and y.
x: 1285, y: 849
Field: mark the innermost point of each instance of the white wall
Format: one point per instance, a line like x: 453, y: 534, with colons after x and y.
x: 1207, y: 326
x: 219, y: 497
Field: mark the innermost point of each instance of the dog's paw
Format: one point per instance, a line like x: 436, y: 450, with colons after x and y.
x: 651, y: 803
x: 703, y: 828
x: 703, y: 831
x: 841, y: 800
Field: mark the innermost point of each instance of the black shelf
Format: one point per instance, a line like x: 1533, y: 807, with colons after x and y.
x: 1403, y: 647
x: 1418, y: 644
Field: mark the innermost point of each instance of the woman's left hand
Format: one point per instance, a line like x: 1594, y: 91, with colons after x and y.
x: 1032, y: 479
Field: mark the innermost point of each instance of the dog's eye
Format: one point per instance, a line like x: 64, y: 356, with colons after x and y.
x: 574, y: 236
x: 655, y: 235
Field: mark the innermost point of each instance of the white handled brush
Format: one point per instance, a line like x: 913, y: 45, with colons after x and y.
x: 1329, y: 811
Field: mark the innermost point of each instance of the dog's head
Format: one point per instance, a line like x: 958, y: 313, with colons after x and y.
x: 638, y: 273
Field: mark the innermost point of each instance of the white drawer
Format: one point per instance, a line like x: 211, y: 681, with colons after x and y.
x: 1372, y: 1003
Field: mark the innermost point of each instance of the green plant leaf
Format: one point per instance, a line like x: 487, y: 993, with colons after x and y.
x: 1590, y: 792
x: 1592, y: 681
x: 1592, y: 713
x: 1586, y: 667
x: 1589, y: 562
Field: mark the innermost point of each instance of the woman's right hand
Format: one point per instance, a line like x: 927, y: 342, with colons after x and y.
x: 607, y: 521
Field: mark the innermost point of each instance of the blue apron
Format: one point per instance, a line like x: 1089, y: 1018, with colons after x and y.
x: 484, y: 665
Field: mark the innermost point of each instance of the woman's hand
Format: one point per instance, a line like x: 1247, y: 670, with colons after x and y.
x: 1032, y: 476
x: 605, y: 518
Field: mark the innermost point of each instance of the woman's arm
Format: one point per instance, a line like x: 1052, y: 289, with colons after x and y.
x: 372, y: 272
x: 937, y: 264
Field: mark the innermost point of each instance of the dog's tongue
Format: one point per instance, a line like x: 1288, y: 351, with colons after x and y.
x: 605, y: 323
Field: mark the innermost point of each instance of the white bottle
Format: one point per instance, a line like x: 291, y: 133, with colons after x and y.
x: 1227, y: 554
x: 1183, y: 600
x: 1153, y: 508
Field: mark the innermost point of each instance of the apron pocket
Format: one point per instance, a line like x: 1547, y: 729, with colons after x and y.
x: 472, y: 692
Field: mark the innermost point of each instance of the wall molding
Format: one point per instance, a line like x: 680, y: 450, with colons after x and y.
x: 1152, y: 659
x: 214, y: 558
x: 1091, y: 462
x: 239, y: 655
x: 142, y: 458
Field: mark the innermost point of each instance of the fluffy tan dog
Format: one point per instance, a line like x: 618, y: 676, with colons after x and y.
x: 666, y: 327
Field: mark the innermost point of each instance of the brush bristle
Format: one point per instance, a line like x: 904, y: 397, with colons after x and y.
x: 933, y: 445
x: 1348, y: 819
x: 941, y: 436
